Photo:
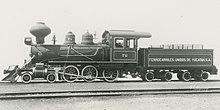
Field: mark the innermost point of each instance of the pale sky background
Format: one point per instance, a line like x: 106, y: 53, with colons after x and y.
x: 169, y: 22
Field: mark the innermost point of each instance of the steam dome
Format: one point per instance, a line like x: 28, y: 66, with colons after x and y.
x: 87, y: 39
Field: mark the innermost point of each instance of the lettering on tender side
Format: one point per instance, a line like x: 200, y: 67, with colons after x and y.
x: 201, y: 59
x: 180, y: 59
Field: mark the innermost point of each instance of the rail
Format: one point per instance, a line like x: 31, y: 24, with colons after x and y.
x: 95, y: 93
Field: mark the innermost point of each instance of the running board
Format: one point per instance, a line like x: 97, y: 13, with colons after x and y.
x: 80, y: 76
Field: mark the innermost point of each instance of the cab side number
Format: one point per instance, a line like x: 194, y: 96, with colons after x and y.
x: 124, y: 55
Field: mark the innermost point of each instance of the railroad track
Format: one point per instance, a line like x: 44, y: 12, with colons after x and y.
x: 95, y: 93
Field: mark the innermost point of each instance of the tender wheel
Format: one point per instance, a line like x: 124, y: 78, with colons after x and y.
x: 148, y: 76
x: 110, y: 75
x: 167, y: 76
x: 202, y: 76
x: 71, y: 73
x: 51, y: 77
x: 26, y: 78
x: 89, y: 73
x: 186, y: 76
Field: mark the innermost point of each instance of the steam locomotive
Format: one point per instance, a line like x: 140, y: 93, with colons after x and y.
x: 117, y: 55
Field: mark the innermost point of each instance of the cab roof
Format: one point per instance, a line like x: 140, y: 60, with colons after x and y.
x: 127, y: 33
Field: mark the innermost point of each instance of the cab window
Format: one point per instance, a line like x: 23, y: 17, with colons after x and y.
x: 119, y: 43
x: 130, y: 43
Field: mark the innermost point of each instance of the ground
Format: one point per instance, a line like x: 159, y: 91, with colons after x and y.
x: 135, y: 102
x: 142, y: 102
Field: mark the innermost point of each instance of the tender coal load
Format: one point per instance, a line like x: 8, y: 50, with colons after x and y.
x: 70, y: 39
x: 87, y: 39
x: 40, y: 31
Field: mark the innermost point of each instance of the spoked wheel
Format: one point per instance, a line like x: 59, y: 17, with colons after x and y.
x: 202, y: 76
x: 26, y: 78
x: 186, y: 76
x: 89, y: 73
x: 167, y: 76
x: 110, y: 75
x: 71, y: 73
x: 51, y: 77
x: 148, y: 76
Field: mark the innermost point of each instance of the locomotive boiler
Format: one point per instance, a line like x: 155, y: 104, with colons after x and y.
x: 117, y: 55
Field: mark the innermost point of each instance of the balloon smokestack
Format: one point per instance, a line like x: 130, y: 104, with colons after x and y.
x: 40, y: 31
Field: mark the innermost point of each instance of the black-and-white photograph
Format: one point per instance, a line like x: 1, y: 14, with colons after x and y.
x: 109, y: 54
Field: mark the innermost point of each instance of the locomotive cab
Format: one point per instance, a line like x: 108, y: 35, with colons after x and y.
x: 123, y: 44
x: 124, y: 49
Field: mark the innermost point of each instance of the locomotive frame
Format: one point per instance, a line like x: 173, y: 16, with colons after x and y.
x: 117, y: 55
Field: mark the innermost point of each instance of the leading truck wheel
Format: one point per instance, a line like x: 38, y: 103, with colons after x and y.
x: 26, y: 78
x: 148, y: 77
x: 70, y: 73
x: 110, y: 75
x: 51, y: 77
